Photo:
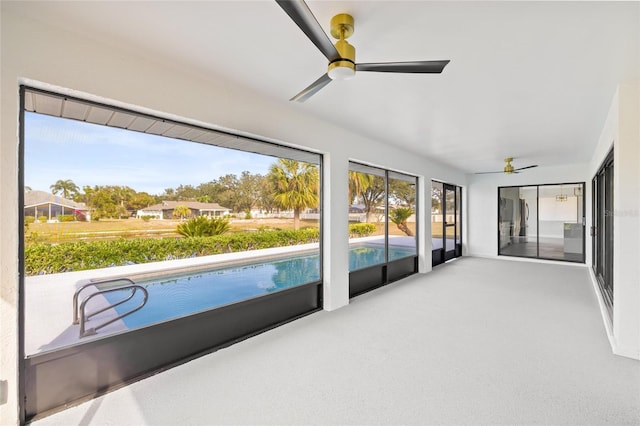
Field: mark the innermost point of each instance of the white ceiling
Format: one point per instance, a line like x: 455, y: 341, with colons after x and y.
x: 531, y: 80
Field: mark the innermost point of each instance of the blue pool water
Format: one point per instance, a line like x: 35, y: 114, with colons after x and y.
x: 179, y: 295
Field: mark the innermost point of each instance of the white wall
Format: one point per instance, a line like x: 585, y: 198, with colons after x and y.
x: 622, y: 131
x: 36, y: 52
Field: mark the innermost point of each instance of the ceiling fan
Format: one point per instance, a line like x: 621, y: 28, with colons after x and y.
x: 342, y: 55
x: 508, y: 168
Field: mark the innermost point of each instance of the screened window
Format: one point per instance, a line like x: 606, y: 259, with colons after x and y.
x: 382, y: 226
x: 115, y: 199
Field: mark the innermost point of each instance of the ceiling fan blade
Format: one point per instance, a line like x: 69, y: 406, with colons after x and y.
x: 487, y: 173
x: 303, y: 17
x: 312, y: 89
x: 527, y: 167
x: 421, y: 67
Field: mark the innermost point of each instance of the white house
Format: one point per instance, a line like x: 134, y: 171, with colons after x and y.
x: 165, y: 209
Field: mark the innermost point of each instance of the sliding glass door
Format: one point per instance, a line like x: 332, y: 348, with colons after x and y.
x: 542, y: 221
x: 602, y: 230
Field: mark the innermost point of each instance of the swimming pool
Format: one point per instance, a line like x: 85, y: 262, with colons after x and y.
x: 180, y: 294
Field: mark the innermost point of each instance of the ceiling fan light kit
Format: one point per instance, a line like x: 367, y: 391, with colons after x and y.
x: 343, y: 68
x: 342, y: 55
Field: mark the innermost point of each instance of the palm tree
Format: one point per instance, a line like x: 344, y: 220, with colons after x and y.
x: 295, y: 186
x: 181, y: 211
x: 67, y: 187
x: 399, y: 216
x: 358, y: 182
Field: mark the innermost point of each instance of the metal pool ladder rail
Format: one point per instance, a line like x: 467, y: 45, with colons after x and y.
x: 80, y: 316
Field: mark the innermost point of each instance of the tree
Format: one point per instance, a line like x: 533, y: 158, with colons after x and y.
x: 140, y: 200
x: 181, y: 211
x: 358, y: 182
x: 295, y: 186
x: 436, y: 199
x: 402, y: 192
x: 104, y: 203
x: 373, y: 196
x: 399, y: 216
x: 66, y: 187
x: 248, y: 191
x: 228, y: 192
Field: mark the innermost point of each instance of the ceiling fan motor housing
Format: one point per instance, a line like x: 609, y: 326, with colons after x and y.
x: 508, y: 168
x: 341, y: 29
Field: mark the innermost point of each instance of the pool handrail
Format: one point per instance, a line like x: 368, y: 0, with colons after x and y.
x: 84, y: 317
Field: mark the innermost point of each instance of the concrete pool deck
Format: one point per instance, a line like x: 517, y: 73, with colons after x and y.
x: 48, y: 298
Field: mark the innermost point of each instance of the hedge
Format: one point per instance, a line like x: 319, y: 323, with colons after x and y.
x: 361, y: 229
x: 41, y: 258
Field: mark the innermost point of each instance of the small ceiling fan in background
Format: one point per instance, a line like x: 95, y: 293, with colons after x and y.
x: 342, y: 55
x: 508, y: 168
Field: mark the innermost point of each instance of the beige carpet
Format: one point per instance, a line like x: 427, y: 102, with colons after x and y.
x: 477, y: 341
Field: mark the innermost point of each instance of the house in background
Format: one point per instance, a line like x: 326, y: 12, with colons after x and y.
x: 41, y: 203
x: 165, y: 209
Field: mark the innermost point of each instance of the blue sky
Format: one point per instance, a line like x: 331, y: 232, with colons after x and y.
x: 89, y: 154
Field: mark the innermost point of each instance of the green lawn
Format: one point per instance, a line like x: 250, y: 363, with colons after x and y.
x: 108, y: 229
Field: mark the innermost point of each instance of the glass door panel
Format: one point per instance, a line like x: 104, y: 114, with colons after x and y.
x: 450, y: 221
x: 437, y: 222
x: 561, y: 222
x: 518, y: 222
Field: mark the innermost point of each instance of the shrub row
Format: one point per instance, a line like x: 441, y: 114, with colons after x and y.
x: 60, y: 217
x: 361, y: 229
x: 41, y: 258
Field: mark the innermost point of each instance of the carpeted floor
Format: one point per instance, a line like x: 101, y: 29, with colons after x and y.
x: 476, y: 341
